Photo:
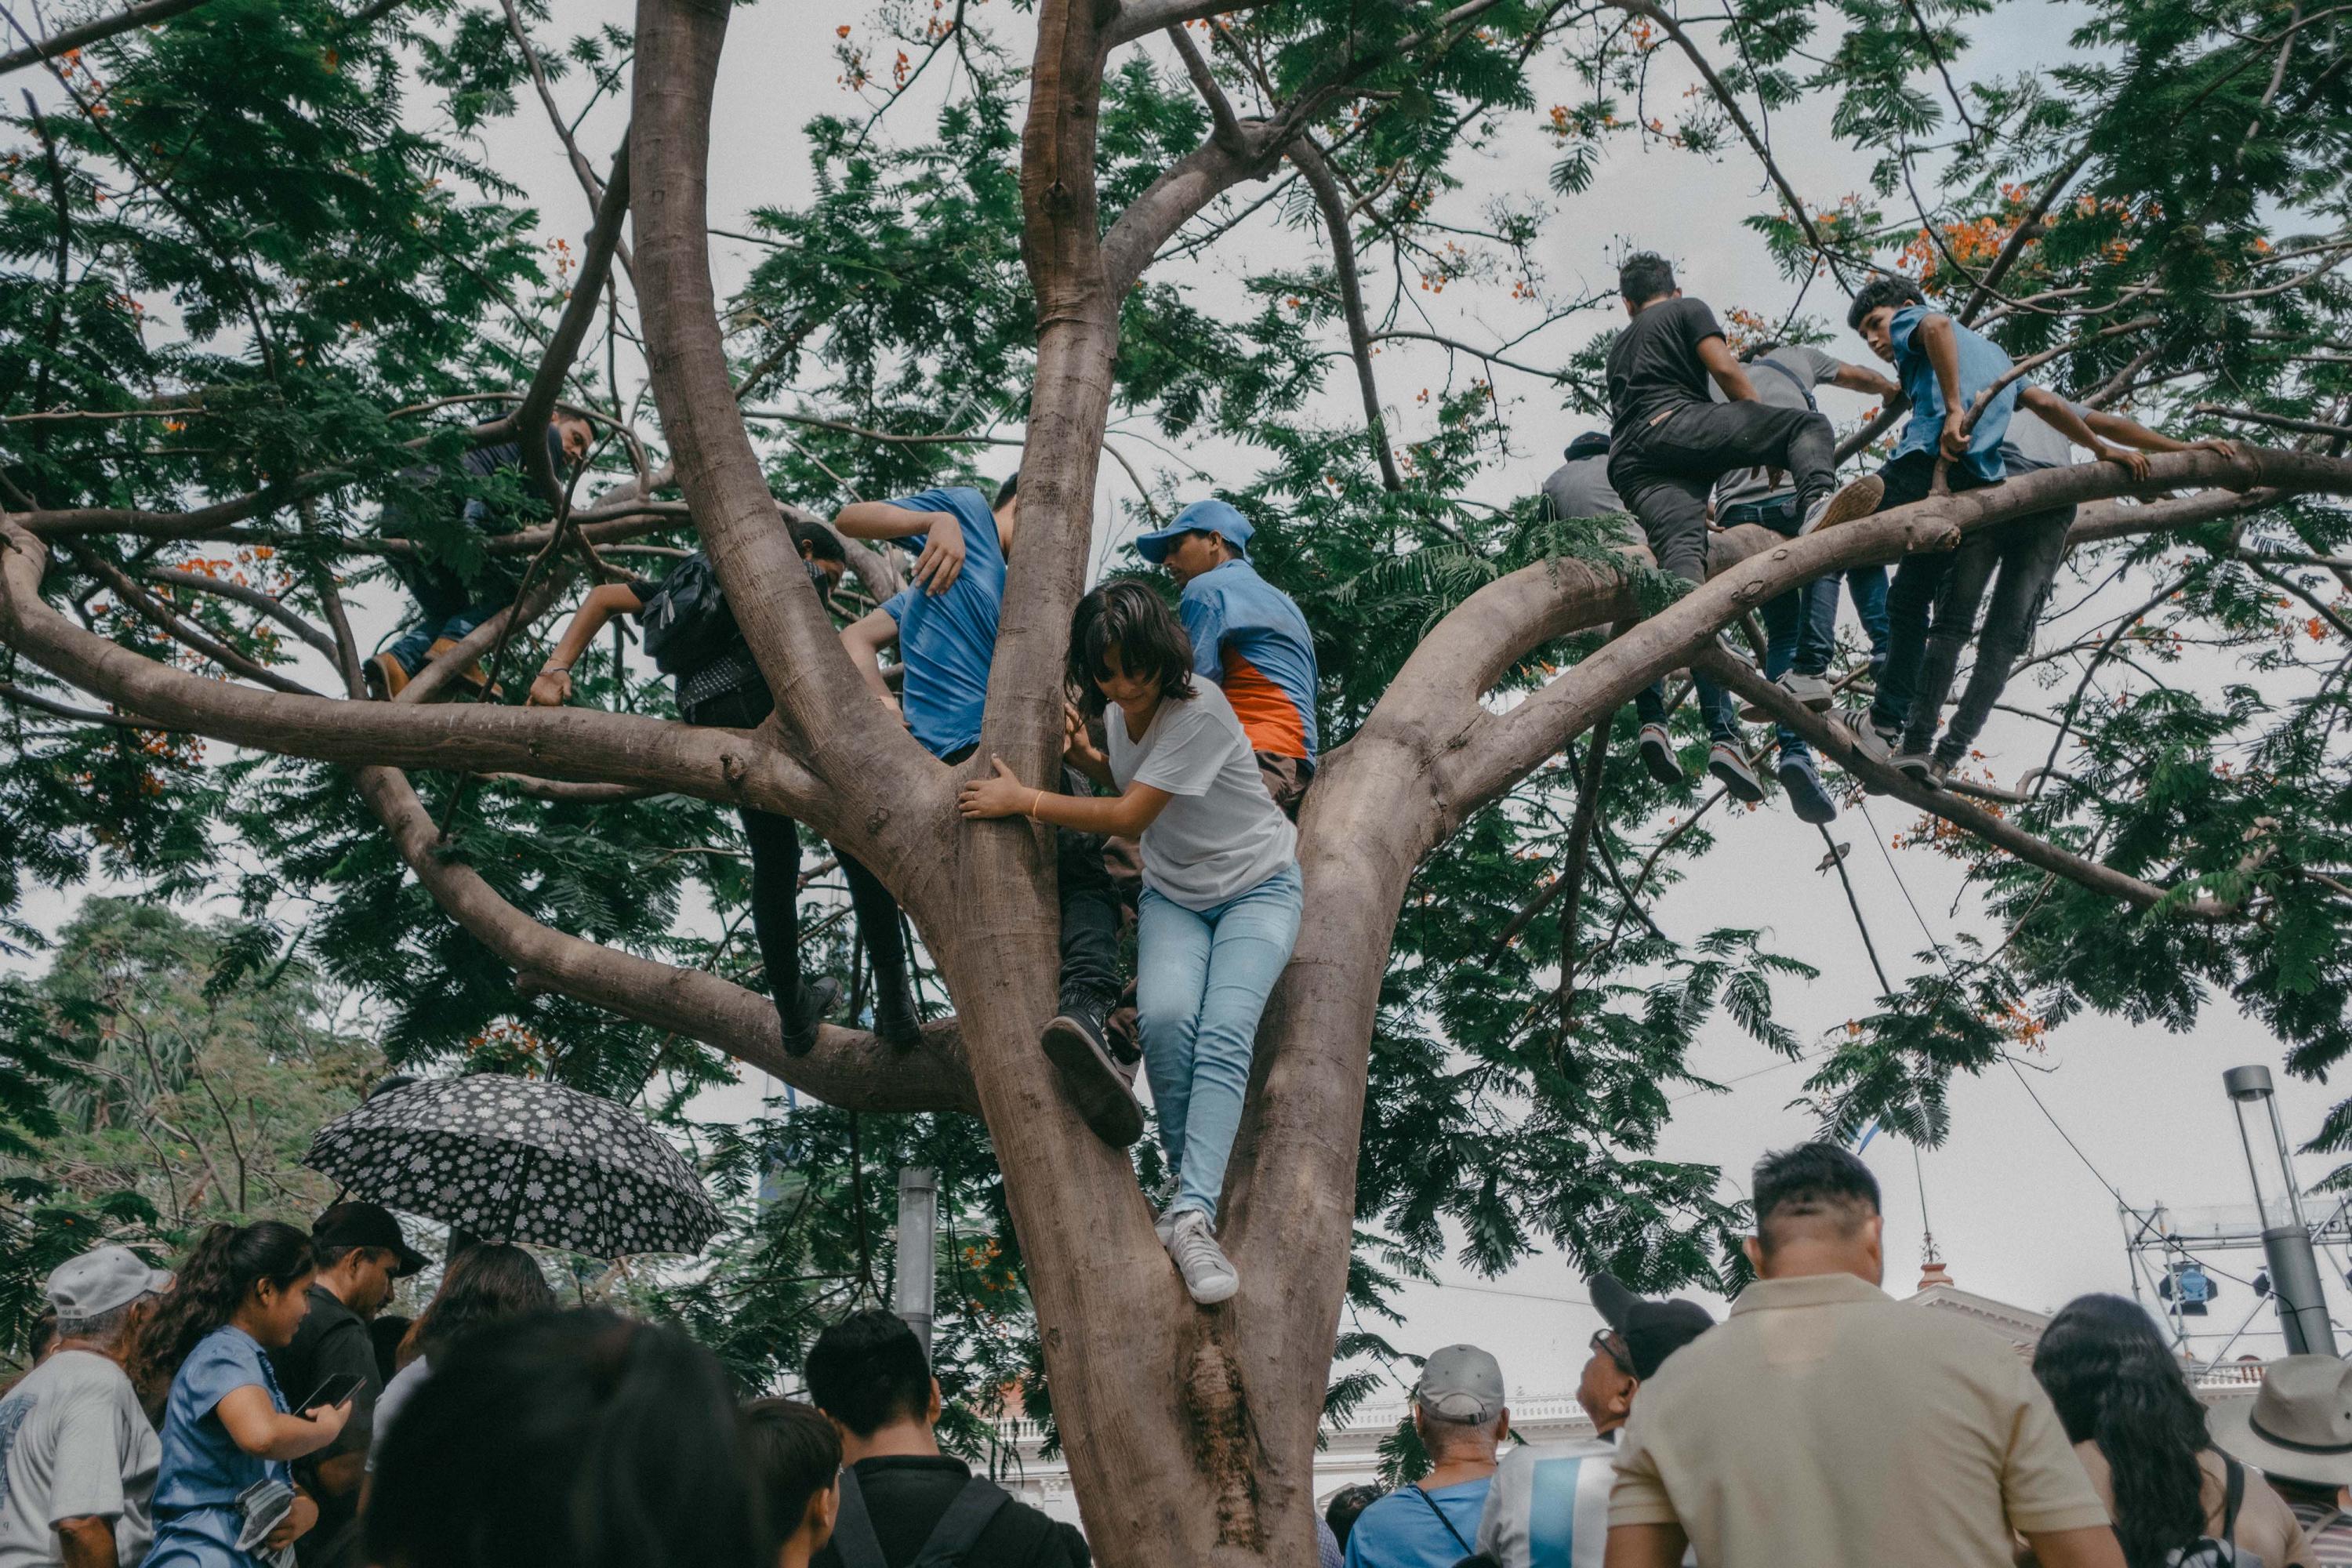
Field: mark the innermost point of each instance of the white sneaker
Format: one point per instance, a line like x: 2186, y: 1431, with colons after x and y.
x: 1859, y: 498
x: 1208, y: 1273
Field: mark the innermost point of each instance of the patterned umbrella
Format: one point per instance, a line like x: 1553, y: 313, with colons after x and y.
x: 514, y: 1159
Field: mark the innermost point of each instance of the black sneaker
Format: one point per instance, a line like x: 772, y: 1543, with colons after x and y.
x: 895, y: 1019
x: 1074, y: 1043
x: 811, y: 1008
x: 1658, y: 756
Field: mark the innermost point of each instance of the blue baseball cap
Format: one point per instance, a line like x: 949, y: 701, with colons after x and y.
x: 1201, y: 517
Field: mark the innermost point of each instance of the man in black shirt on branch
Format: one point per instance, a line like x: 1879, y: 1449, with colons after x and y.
x: 360, y: 1252
x: 1668, y: 444
x: 901, y: 1499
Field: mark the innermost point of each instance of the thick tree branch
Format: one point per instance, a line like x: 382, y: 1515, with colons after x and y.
x: 848, y: 1069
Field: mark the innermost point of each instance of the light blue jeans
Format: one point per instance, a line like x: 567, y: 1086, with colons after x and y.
x: 1201, y: 980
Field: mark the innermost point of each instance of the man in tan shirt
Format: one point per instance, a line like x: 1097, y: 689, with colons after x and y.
x: 1823, y: 1426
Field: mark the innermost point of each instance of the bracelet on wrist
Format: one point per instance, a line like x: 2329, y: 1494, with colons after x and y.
x: 555, y: 669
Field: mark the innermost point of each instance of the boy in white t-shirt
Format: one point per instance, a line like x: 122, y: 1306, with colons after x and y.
x: 1220, y: 886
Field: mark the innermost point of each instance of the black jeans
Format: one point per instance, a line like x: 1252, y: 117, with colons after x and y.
x: 2026, y: 553
x: 1911, y: 599
x: 1089, y: 907
x: 775, y: 844
x: 1665, y: 472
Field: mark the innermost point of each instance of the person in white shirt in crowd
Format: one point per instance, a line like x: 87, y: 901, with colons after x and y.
x: 1548, y: 1506
x: 487, y: 1283
x: 78, y: 1457
x: 1222, y: 891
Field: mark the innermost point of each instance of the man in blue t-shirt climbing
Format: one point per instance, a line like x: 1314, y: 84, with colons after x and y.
x: 944, y: 627
x: 1248, y: 636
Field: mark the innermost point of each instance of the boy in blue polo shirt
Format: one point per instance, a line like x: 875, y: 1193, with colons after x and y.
x: 1248, y: 636
x: 1944, y: 368
x: 944, y: 627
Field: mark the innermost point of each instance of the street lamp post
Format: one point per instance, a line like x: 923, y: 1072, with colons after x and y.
x: 2286, y: 1239
x: 919, y: 1220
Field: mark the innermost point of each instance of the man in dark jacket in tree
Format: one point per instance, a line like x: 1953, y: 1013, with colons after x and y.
x: 452, y: 603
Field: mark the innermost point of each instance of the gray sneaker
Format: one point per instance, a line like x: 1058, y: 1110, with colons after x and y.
x: 1917, y: 766
x: 1876, y: 745
x: 1723, y: 761
x: 1208, y: 1273
x: 1815, y: 691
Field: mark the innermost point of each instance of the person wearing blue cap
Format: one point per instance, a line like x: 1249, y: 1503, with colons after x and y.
x: 944, y: 627
x: 1248, y: 636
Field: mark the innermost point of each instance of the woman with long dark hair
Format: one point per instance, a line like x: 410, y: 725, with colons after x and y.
x: 487, y: 1283
x: 2128, y: 1410
x: 577, y: 1439
x: 227, y: 1430
x: 1221, y: 894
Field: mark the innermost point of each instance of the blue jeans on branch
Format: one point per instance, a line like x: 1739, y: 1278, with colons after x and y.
x: 1801, y: 626
x: 1202, y: 980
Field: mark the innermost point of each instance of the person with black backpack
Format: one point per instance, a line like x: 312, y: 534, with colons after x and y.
x: 904, y: 1504
x: 2139, y: 1428
x: 692, y: 638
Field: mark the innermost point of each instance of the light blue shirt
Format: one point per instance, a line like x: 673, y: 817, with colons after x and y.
x: 946, y: 640
x: 1249, y: 636
x: 1982, y: 363
x: 203, y: 1469
x: 1404, y: 1531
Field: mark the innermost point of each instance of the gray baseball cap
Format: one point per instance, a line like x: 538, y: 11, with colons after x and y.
x: 101, y: 1280
x: 1461, y: 1382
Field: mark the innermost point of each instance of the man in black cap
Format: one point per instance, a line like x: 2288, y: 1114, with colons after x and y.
x: 1548, y: 1507
x: 360, y: 1252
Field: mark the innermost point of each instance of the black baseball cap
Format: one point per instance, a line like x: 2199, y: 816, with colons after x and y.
x: 367, y: 1225
x: 1652, y: 1331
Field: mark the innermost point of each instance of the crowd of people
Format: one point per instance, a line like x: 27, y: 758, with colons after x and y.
x: 236, y: 1414
x: 1824, y: 1422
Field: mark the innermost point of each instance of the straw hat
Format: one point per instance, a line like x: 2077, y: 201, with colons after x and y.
x: 2297, y: 1426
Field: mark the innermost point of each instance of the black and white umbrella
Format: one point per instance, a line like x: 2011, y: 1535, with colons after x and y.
x: 514, y: 1159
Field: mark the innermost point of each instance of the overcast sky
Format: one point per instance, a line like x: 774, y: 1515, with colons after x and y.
x: 2017, y: 1214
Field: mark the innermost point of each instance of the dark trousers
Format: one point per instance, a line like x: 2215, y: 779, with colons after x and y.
x: 2019, y: 559
x: 1665, y: 472
x: 1801, y: 626
x: 1089, y: 908
x: 775, y: 845
x: 1911, y: 598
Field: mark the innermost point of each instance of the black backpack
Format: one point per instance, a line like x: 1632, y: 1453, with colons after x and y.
x: 957, y: 1533
x: 687, y: 622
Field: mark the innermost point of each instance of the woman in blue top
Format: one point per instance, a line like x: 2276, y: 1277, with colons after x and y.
x: 242, y: 1293
x: 1220, y: 886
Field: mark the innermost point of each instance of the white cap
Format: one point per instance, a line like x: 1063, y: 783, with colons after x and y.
x: 101, y: 1280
